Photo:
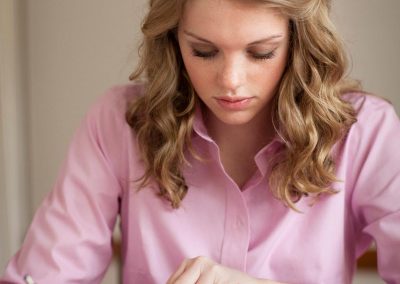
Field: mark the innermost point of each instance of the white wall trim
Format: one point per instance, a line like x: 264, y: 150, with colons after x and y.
x: 13, y: 146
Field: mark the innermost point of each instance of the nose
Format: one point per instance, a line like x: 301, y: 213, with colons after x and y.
x: 232, y: 74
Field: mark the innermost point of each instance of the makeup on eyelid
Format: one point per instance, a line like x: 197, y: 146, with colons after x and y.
x: 212, y: 54
x: 208, y: 53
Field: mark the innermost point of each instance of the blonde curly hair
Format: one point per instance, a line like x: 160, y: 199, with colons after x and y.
x: 309, y: 114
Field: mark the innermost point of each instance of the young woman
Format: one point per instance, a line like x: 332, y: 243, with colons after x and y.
x: 246, y: 156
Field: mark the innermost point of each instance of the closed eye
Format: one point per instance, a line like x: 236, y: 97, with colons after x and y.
x: 263, y: 56
x: 204, y: 54
x: 211, y: 54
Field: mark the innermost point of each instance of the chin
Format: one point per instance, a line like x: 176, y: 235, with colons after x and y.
x: 235, y: 120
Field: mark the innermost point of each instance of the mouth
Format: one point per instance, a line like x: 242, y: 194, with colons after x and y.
x: 234, y: 103
x: 233, y: 99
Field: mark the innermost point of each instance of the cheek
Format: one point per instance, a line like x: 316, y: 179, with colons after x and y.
x: 199, y: 75
x: 270, y: 77
x: 262, y: 80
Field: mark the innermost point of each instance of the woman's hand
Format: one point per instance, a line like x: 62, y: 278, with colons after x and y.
x: 202, y: 270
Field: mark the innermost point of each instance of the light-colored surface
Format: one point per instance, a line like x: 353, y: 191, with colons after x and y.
x: 371, y: 32
x: 13, y: 166
x: 367, y: 277
x: 112, y: 274
x: 77, y: 49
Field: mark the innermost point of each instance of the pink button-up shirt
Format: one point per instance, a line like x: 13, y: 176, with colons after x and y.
x: 69, y: 240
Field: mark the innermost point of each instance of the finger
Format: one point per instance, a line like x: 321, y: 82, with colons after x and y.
x: 206, y: 277
x: 190, y: 275
x: 178, y: 272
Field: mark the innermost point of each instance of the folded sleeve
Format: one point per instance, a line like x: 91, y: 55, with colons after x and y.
x: 70, y: 237
x: 376, y: 182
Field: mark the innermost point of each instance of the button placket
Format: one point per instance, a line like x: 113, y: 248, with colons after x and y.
x: 239, y: 223
x: 237, y: 234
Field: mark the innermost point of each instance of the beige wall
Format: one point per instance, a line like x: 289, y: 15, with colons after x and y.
x: 77, y: 49
x: 371, y: 30
x: 13, y: 135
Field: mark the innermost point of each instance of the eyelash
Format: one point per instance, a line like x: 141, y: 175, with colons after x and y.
x: 212, y: 54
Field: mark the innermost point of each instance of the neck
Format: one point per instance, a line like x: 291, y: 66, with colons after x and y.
x: 249, y: 137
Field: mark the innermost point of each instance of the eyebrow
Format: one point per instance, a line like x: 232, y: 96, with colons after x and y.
x: 263, y: 40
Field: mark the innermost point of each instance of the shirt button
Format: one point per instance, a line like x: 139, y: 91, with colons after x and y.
x: 239, y: 223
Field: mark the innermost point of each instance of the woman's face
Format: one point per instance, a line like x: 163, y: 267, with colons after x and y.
x: 235, y: 54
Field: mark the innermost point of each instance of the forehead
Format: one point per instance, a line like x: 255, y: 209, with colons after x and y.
x: 233, y: 21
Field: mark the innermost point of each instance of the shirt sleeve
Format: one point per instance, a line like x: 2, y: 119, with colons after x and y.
x: 376, y: 182
x: 70, y: 237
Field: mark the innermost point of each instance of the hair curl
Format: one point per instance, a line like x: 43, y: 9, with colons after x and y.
x: 309, y: 114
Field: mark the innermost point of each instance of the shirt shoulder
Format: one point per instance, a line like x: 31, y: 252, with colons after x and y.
x: 116, y: 99
x: 107, y: 115
x: 366, y: 103
x: 105, y: 123
x: 370, y: 146
x: 373, y: 113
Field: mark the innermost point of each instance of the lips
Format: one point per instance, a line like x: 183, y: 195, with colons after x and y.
x: 233, y: 99
x: 234, y: 103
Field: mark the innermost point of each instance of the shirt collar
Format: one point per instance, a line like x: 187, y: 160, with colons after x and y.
x: 262, y: 158
x: 199, y: 126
